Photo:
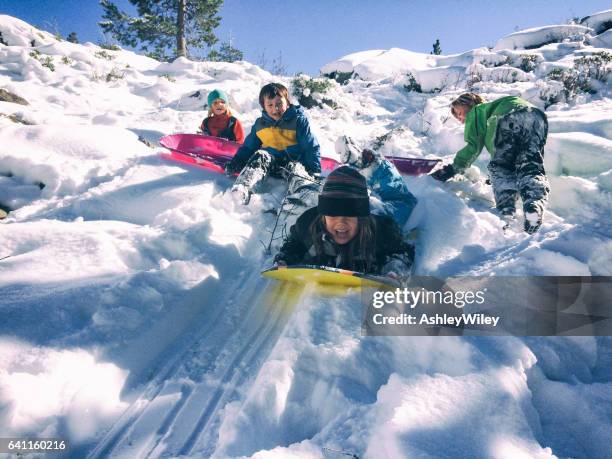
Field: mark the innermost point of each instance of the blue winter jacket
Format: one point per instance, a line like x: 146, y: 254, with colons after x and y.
x: 289, y: 137
x: 386, y: 182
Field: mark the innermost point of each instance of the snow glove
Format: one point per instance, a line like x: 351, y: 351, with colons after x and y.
x: 444, y: 173
x: 399, y: 266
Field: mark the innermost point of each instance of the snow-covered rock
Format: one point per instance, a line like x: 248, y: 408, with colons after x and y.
x: 539, y: 36
x: 599, y: 22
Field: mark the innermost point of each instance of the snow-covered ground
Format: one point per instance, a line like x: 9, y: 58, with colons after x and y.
x: 135, y: 322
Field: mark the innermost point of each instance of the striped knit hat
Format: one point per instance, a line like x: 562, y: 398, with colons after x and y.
x: 345, y: 194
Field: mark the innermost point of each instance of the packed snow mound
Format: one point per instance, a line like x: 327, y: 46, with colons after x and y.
x: 67, y: 161
x: 347, y: 64
x: 599, y: 22
x: 15, y: 32
x: 368, y: 65
x: 540, y: 36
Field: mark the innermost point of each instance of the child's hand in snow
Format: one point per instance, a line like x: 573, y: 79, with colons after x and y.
x: 444, y: 173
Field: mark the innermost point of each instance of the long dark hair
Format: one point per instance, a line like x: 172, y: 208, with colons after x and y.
x: 362, y: 245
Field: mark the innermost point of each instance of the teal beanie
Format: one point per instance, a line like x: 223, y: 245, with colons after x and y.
x: 217, y: 94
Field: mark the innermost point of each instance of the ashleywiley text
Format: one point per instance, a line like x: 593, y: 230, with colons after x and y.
x: 444, y: 320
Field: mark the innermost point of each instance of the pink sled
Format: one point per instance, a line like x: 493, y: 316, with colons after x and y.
x: 213, y: 153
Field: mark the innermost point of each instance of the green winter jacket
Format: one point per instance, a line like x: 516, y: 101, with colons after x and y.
x: 480, y: 128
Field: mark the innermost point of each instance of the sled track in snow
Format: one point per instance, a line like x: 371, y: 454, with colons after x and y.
x: 176, y: 414
x: 260, y: 342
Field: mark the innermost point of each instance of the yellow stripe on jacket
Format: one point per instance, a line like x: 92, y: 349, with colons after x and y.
x: 277, y: 138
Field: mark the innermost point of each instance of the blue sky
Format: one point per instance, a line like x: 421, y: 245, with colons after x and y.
x: 310, y: 33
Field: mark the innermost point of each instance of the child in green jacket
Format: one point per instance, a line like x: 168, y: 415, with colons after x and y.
x: 514, y: 132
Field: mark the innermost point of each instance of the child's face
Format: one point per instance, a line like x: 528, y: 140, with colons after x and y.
x: 341, y: 229
x: 460, y: 112
x: 275, y: 107
x: 218, y: 107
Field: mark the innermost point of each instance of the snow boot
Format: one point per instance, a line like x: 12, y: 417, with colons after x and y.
x: 533, y: 218
x: 241, y: 194
x: 348, y: 152
x: 303, y: 188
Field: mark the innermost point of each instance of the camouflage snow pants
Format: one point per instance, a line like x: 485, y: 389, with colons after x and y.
x: 263, y: 164
x: 518, y: 164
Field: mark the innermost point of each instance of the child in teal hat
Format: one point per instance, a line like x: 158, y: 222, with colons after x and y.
x: 220, y: 122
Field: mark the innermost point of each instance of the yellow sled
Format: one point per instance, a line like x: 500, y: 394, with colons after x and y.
x: 324, y: 275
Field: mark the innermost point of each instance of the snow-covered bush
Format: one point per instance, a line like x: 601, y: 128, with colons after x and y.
x: 597, y: 66
x: 572, y: 80
x: 340, y: 77
x: 500, y: 61
x: 580, y: 78
x: 168, y: 77
x: 46, y: 61
x: 114, y: 75
x: 472, y: 79
x: 104, y: 55
x: 411, y: 84
x: 309, y: 91
x: 109, y: 46
x: 528, y: 62
x: 502, y: 74
x: 550, y: 91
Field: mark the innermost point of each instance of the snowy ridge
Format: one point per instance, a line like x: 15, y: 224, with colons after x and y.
x: 131, y: 298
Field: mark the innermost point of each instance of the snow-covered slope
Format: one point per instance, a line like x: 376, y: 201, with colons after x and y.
x: 135, y: 322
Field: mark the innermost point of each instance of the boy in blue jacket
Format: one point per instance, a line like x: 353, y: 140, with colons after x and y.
x: 280, y: 144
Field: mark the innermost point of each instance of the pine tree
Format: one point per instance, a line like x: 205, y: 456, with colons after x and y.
x: 72, y: 37
x: 226, y: 53
x: 164, y: 29
x: 437, y: 50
